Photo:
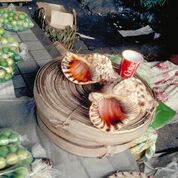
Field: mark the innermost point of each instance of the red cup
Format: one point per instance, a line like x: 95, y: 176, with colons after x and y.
x: 129, y: 63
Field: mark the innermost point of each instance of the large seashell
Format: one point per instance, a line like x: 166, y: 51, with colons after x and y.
x: 76, y: 69
x: 87, y: 69
x: 110, y: 113
x: 102, y: 69
x: 137, y: 92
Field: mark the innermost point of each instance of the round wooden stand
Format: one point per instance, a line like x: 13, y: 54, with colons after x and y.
x: 62, y: 112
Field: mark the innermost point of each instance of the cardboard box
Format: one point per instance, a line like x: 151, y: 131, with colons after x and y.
x: 56, y: 15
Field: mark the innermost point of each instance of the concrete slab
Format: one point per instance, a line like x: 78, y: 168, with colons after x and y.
x: 40, y: 55
x: 34, y: 45
x: 28, y: 67
x: 18, y: 82
x: 28, y: 37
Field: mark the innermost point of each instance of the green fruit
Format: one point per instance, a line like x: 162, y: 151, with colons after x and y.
x: 4, y: 140
x: 18, y: 176
x: 9, y: 70
x: 2, y: 31
x: 2, y: 163
x: 14, y: 138
x: 10, y: 61
x: 3, y: 151
x: 2, y: 73
x: 4, y: 41
x: 6, y: 132
x: 22, y: 16
x: 14, y: 23
x: 8, y: 77
x: 6, y: 49
x: 22, y: 154
x: 13, y: 148
x: 11, y: 159
x: 6, y: 21
x: 21, y: 171
x: 3, y: 63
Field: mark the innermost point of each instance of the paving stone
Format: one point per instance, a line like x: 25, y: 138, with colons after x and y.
x: 52, y: 51
x: 40, y: 55
x: 28, y: 37
x: 18, y: 81
x: 34, y: 45
x: 28, y: 67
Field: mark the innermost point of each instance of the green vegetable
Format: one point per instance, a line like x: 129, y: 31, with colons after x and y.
x: 4, y: 140
x: 7, y: 132
x: 13, y: 138
x: 22, y: 154
x: 3, y: 151
x: 13, y: 148
x: 11, y: 159
x: 2, y: 163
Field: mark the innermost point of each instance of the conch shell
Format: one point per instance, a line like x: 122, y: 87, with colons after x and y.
x: 87, y: 69
x: 137, y: 92
x: 110, y: 113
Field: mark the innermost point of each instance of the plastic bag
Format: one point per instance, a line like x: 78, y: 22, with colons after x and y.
x: 7, y: 136
x: 8, y: 60
x: 20, y: 172
x: 9, y: 42
x: 16, y: 20
x: 14, y: 155
x: 144, y: 147
x: 163, y: 115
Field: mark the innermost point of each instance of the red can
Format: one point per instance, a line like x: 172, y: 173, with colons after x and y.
x: 130, y: 62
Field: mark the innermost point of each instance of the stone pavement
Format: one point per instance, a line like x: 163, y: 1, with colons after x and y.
x: 40, y: 52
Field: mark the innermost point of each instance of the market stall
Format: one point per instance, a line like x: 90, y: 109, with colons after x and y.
x: 64, y: 112
x: 19, y: 114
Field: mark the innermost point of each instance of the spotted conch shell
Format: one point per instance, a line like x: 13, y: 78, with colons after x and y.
x: 137, y: 92
x: 87, y: 69
x: 110, y: 113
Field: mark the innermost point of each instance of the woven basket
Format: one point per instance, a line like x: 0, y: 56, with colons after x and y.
x: 65, y: 36
x: 62, y: 112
